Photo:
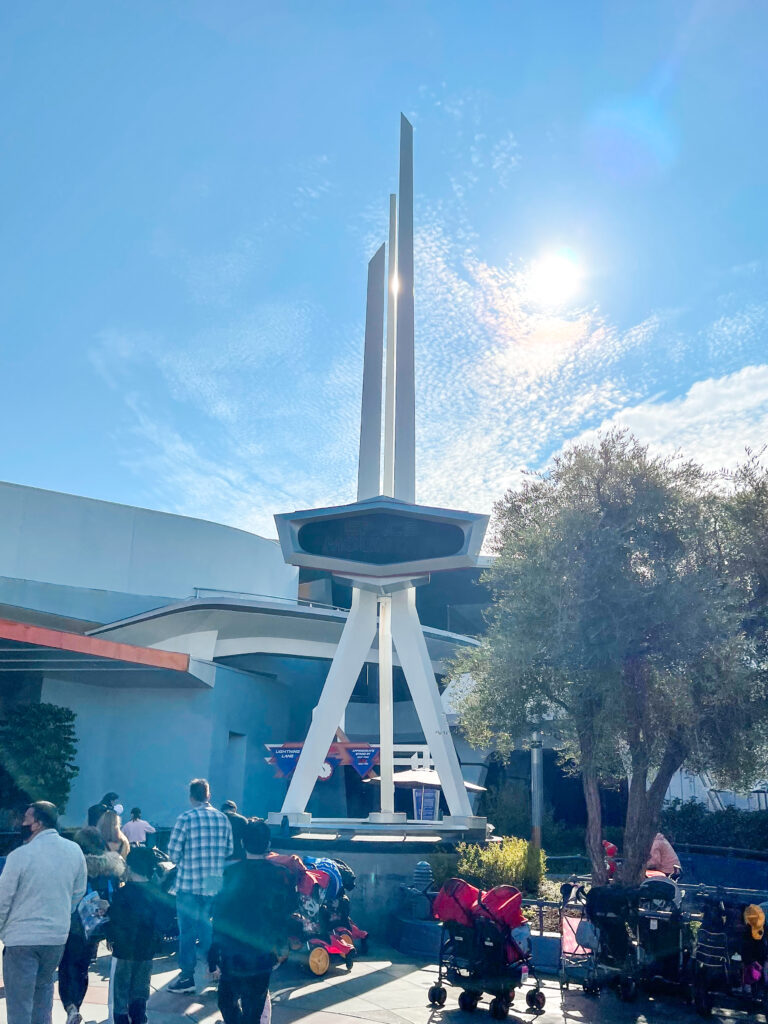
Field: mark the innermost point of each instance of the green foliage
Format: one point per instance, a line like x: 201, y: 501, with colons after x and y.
x: 618, y: 625
x: 508, y: 808
x: 444, y: 865
x: 37, y: 752
x: 691, y: 822
x: 511, y: 861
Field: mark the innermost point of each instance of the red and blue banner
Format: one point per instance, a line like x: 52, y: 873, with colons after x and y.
x: 362, y: 757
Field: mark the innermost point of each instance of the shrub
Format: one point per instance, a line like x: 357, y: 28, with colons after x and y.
x: 37, y: 751
x: 691, y: 822
x: 444, y: 865
x: 509, y: 862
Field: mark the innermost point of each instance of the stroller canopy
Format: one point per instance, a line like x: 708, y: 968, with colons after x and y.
x: 503, y: 904
x: 456, y: 901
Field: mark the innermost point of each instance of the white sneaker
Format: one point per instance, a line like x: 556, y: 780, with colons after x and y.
x: 73, y: 1015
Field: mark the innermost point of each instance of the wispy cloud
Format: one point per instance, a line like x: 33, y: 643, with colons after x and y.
x: 258, y: 412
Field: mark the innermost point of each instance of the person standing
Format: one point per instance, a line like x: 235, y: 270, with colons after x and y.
x: 134, y: 933
x: 136, y: 830
x: 105, y: 871
x: 238, y: 823
x: 42, y: 883
x: 251, y: 919
x: 95, y: 811
x: 200, y: 843
x: 112, y: 834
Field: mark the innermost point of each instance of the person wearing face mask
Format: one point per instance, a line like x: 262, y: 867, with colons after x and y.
x: 42, y: 883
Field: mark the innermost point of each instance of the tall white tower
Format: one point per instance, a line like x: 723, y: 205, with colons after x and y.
x: 384, y: 544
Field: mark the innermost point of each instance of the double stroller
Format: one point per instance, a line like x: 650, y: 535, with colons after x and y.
x: 485, y: 948
x: 731, y: 955
x: 323, y: 928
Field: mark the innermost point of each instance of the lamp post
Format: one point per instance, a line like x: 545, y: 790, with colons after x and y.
x: 537, y: 789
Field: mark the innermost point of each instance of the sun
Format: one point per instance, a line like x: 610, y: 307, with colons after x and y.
x: 554, y: 279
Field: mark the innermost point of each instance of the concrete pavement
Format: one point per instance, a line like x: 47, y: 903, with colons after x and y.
x: 384, y: 988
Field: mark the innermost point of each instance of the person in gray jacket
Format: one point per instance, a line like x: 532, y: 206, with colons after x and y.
x: 42, y: 883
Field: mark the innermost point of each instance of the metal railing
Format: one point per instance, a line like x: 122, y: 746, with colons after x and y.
x: 541, y: 906
x: 201, y: 593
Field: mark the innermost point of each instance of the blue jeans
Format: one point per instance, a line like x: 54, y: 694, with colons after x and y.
x: 194, y: 914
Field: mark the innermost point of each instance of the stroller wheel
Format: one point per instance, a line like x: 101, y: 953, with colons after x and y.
x: 499, y: 1008
x: 535, y: 999
x: 591, y: 988
x: 349, y: 961
x: 468, y: 1001
x: 319, y: 961
x: 628, y: 990
x: 437, y: 995
x: 703, y: 1002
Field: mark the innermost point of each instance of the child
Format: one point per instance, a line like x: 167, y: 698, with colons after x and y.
x: 134, y: 936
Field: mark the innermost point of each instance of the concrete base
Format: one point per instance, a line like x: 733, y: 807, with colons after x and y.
x: 296, y: 819
x: 387, y: 826
x: 460, y: 821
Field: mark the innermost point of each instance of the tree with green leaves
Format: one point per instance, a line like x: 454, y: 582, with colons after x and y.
x: 617, y: 627
x: 38, y: 746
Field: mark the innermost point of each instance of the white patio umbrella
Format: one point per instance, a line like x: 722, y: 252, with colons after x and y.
x: 425, y: 777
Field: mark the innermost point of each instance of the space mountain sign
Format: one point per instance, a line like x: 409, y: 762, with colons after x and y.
x: 361, y: 756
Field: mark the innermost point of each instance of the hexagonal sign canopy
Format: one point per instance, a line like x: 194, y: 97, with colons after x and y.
x: 381, y: 537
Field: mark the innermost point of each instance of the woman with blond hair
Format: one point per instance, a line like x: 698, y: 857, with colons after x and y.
x: 112, y: 833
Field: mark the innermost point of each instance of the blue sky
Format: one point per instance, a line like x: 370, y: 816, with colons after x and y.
x: 191, y: 192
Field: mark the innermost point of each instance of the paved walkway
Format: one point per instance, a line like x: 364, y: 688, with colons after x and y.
x: 384, y: 988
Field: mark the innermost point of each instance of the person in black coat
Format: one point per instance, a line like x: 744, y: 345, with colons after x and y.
x: 135, y: 936
x: 239, y: 824
x: 251, y: 918
x: 95, y: 811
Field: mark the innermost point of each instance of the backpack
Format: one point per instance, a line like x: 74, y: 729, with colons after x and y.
x: 348, y: 876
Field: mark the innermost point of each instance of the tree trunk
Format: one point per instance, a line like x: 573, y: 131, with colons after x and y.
x: 643, y: 808
x: 594, y: 827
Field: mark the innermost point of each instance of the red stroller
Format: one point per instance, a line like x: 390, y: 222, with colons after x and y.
x: 486, y: 947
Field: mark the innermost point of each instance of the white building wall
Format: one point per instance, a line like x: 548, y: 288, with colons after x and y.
x: 80, y: 542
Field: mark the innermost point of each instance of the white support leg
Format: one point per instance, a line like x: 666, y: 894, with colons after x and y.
x: 386, y: 708
x: 354, y: 645
x: 414, y: 658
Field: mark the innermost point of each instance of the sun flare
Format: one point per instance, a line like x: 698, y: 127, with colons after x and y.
x: 554, y: 279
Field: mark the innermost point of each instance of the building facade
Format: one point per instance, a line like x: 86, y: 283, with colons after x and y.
x: 184, y: 647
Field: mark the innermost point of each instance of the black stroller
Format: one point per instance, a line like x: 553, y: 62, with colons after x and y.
x: 664, y: 938
x: 613, y: 911
x: 728, y: 959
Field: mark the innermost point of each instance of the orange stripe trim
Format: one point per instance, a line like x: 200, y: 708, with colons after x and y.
x: 40, y: 636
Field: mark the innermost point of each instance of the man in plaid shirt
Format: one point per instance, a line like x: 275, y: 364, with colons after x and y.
x: 199, y: 846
